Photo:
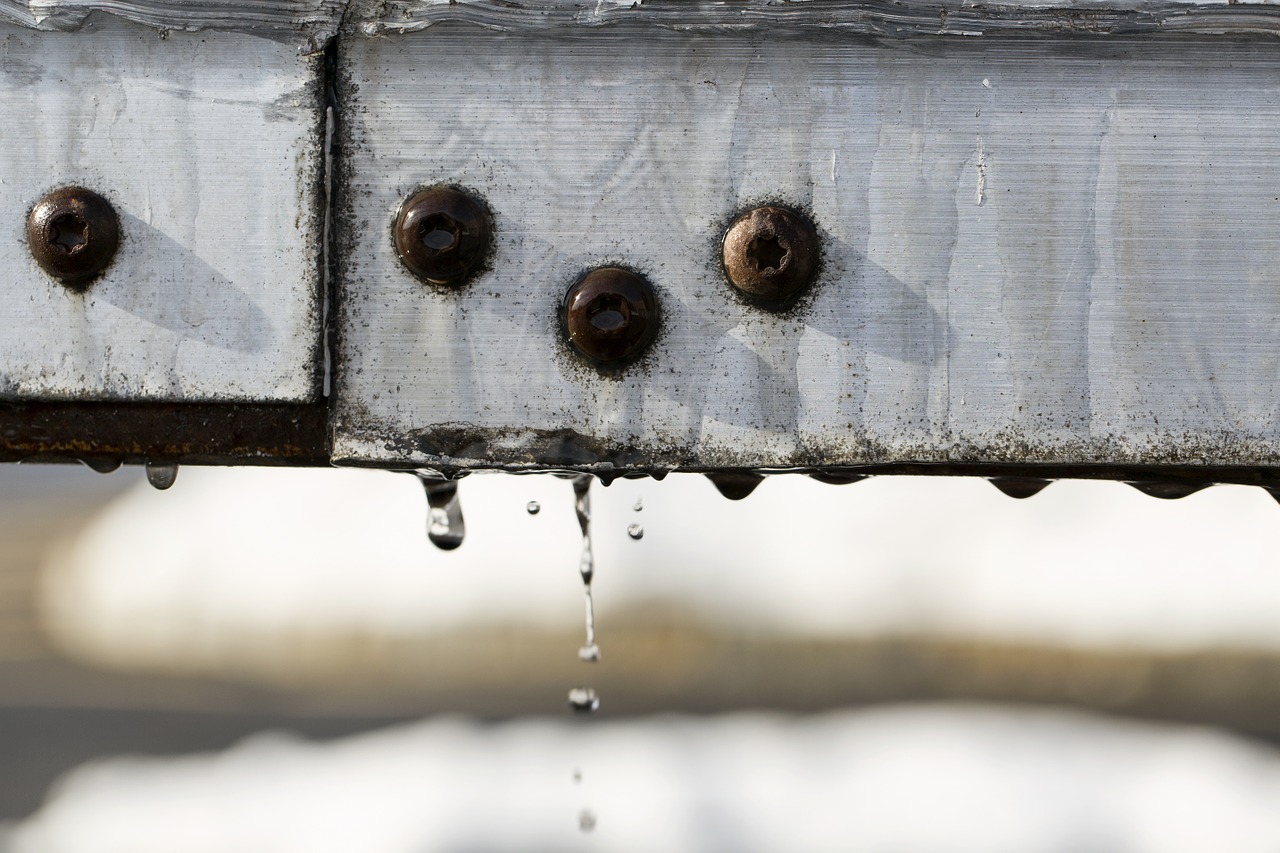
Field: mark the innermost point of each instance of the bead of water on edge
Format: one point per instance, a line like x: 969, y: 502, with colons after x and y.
x: 583, y: 700
x: 533, y: 507
x: 635, y: 531
x: 162, y: 475
x: 586, y: 820
x: 589, y: 653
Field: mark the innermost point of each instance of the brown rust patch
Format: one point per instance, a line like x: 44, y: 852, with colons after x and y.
x: 188, y: 433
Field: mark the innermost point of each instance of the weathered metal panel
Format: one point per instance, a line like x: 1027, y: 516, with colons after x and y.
x: 1057, y: 250
x: 306, y: 24
x: 210, y: 146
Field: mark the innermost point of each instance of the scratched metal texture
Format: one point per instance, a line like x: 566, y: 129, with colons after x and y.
x: 878, y: 18
x: 210, y: 146
x: 305, y: 24
x: 1037, y: 250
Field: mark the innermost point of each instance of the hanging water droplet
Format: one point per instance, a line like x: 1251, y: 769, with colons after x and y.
x: 583, y: 700
x: 102, y: 466
x: 639, y: 507
x: 533, y: 507
x: 635, y: 531
x: 837, y: 478
x: 589, y: 654
x: 1168, y: 490
x: 1020, y: 487
x: 735, y: 485
x: 446, y: 527
x: 586, y: 820
x: 162, y: 475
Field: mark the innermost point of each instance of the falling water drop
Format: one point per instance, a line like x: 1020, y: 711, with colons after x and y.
x: 586, y: 820
x: 533, y: 507
x: 582, y: 506
x: 162, y: 475
x: 639, y: 507
x: 583, y: 700
x: 635, y: 531
x: 590, y: 652
x: 446, y: 527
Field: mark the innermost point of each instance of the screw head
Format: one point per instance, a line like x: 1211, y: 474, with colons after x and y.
x: 610, y: 315
x: 771, y: 254
x: 73, y: 234
x: 442, y: 235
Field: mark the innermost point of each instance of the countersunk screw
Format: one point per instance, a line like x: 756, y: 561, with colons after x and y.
x: 73, y: 234
x: 771, y: 254
x: 442, y: 235
x: 610, y: 315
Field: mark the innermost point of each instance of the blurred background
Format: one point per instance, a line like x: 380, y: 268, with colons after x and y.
x: 261, y: 660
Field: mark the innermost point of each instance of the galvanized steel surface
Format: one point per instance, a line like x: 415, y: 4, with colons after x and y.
x: 210, y: 147
x: 1035, y: 251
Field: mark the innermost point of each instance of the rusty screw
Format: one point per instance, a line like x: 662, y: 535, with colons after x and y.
x: 771, y: 254
x: 73, y: 234
x: 610, y: 315
x: 442, y: 235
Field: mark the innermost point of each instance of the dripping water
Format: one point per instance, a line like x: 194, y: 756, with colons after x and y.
x: 735, y: 485
x: 639, y: 506
x: 586, y: 564
x: 586, y: 820
x: 162, y: 475
x: 445, y: 526
x: 635, y: 531
x: 583, y: 700
x: 533, y: 507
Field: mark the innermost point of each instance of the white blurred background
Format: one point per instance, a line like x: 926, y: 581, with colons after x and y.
x: 279, y: 660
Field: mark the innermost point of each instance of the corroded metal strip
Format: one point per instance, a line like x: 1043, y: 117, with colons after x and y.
x: 876, y: 18
x: 106, y: 434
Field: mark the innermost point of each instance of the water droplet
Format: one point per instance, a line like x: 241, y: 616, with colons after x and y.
x: 589, y: 654
x: 1168, y: 490
x: 533, y: 507
x: 1020, y: 487
x: 446, y: 527
x: 102, y: 466
x: 837, y: 478
x: 735, y: 485
x: 583, y: 700
x: 582, y: 506
x: 586, y: 820
x: 162, y: 475
x: 639, y: 507
x: 577, y: 775
x: 635, y: 531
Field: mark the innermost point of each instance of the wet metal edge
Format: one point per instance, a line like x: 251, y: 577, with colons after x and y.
x: 187, y: 433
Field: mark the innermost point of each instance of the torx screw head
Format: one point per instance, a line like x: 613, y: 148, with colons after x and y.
x: 610, y: 315
x: 442, y: 235
x: 73, y: 234
x: 771, y: 254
